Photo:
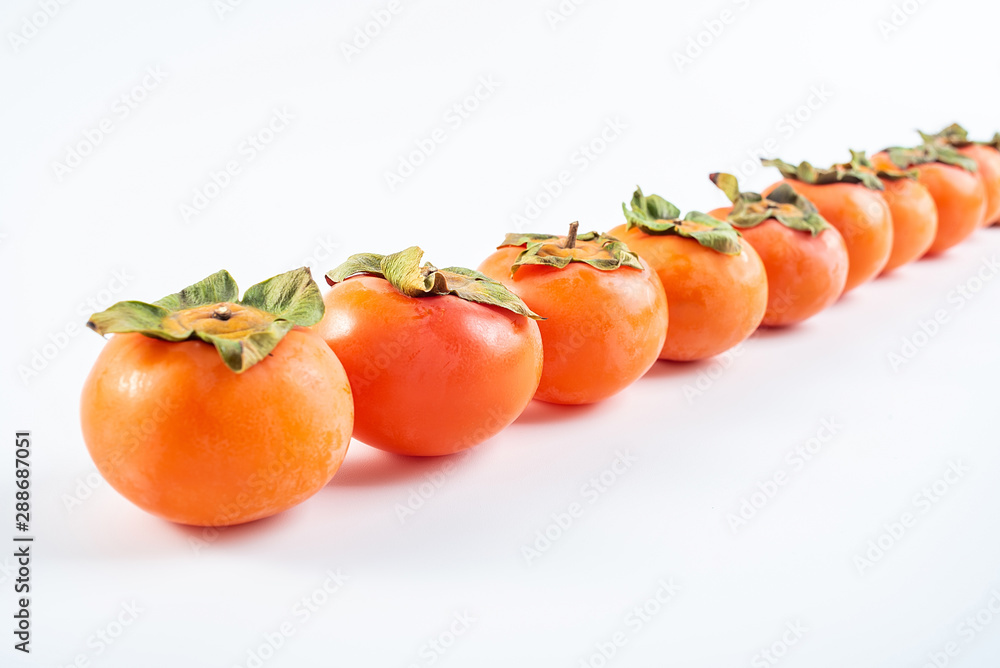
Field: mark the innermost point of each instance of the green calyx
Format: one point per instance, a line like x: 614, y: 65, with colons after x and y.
x: 938, y: 151
x: 860, y: 160
x: 658, y: 217
x: 840, y: 173
x: 953, y: 135
x: 244, y: 331
x: 404, y: 271
x: 784, y: 205
x: 956, y: 136
x: 600, y: 251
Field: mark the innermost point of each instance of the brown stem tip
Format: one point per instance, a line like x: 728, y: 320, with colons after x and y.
x: 571, y: 237
x: 222, y: 312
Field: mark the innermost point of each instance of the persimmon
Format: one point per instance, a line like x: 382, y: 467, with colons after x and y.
x: 851, y: 200
x: 439, y: 360
x: 804, y: 256
x: 952, y: 181
x: 715, y: 282
x: 215, y: 437
x: 606, y: 314
x: 987, y: 158
x: 914, y: 213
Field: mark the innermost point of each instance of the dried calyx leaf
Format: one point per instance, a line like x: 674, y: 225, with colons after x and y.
x: 600, y: 251
x: 839, y: 173
x: 656, y: 216
x: 244, y: 331
x: 783, y: 204
x: 937, y: 151
x: 404, y: 271
x: 956, y: 136
x: 860, y: 161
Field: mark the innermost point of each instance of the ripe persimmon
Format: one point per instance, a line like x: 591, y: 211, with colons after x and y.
x: 439, y: 359
x: 914, y: 213
x: 987, y: 158
x: 952, y: 181
x: 214, y: 437
x: 606, y: 314
x: 804, y: 256
x: 851, y: 200
x: 715, y: 282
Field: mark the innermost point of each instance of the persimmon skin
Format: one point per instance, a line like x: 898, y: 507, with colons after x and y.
x: 185, y: 438
x: 715, y: 300
x: 988, y: 161
x: 602, y: 330
x: 862, y: 217
x: 430, y: 375
x: 805, y: 273
x: 959, y: 195
x: 914, y: 220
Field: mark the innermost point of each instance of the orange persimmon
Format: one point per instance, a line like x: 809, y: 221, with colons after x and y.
x: 804, y: 256
x: 914, y: 213
x: 715, y: 282
x: 439, y: 359
x: 952, y: 181
x: 605, y: 311
x: 851, y: 200
x: 215, y: 437
x: 987, y: 158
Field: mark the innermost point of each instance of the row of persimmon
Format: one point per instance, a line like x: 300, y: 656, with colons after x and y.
x: 417, y: 360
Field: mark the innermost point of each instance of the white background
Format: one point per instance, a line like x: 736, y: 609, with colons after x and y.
x: 208, y: 600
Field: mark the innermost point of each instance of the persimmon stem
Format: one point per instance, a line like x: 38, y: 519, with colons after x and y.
x: 222, y: 312
x: 571, y: 237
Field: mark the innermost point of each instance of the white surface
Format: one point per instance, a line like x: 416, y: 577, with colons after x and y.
x: 321, y: 183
